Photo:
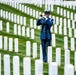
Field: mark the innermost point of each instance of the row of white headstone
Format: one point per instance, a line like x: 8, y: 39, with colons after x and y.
x: 64, y: 22
x: 13, y: 17
x: 33, y: 24
x: 66, y: 13
x: 58, y: 57
x: 9, y: 43
x: 34, y: 47
x: 57, y: 29
x: 17, y: 19
x: 72, y: 7
x: 19, y: 30
x: 29, y: 10
x: 56, y: 21
x: 22, y: 20
x: 72, y: 44
x: 52, y: 67
x: 49, y: 54
x: 26, y: 9
x: 22, y: 31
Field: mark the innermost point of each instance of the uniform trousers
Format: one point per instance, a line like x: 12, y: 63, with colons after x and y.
x: 45, y: 43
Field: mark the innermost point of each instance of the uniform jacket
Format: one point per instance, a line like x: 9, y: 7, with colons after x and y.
x: 46, y: 25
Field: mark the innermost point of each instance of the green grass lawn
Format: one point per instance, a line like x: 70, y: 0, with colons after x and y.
x: 22, y: 41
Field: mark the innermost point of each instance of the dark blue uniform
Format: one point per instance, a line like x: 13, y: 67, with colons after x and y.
x: 45, y: 34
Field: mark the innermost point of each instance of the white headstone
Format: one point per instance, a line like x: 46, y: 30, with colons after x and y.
x: 65, y: 43
x: 65, y: 30
x: 7, y: 27
x: 57, y: 20
x: 35, y: 24
x: 49, y: 54
x: 61, y: 21
x: 48, y: 6
x: 27, y: 32
x: 34, y: 50
x: 73, y: 7
x: 18, y: 19
x: 21, y: 20
x: 1, y: 42
x: 26, y: 66
x: 6, y: 14
x: 9, y: 16
x: 15, y: 29
x: 69, y: 70
x: 72, y: 44
x: 58, y: 56
x: 55, y: 29
x: 51, y: 29
x: 16, y: 45
x: 28, y: 10
x: 1, y: 26
x: 75, y: 33
x: 24, y: 21
x: 60, y: 29
x: 53, y: 68
x: 31, y: 12
x: 38, y: 67
x: 73, y: 24
x: 34, y: 13
x: 16, y: 67
x: 31, y: 23
x: 70, y: 32
x: 6, y: 65
x: 53, y: 40
x: 41, y: 55
x: 58, y: 10
x: 22, y: 8
x: 5, y: 43
x: 67, y: 57
x: 28, y: 48
x: 1, y: 12
x: 23, y: 30
x: 32, y: 34
x: 0, y: 63
x: 10, y: 44
x: 37, y: 14
x: 71, y: 16
x: 65, y: 24
x: 68, y: 23
x: 68, y: 14
x: 75, y: 60
x: 75, y: 17
x: 19, y: 29
x: 61, y: 11
x: 15, y: 18
x: 12, y: 17
x: 25, y: 9
x: 64, y: 13
x: 52, y: 7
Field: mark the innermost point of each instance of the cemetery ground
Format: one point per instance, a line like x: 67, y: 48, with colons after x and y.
x: 22, y: 41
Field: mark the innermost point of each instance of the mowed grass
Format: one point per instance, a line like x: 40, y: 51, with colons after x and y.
x: 22, y: 42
